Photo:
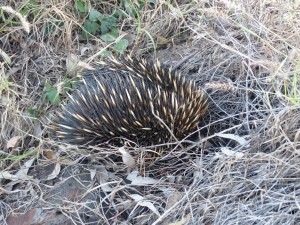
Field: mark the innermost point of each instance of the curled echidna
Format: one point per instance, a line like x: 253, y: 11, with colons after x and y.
x: 141, y: 101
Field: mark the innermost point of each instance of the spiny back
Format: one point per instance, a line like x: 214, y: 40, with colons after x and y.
x: 141, y: 101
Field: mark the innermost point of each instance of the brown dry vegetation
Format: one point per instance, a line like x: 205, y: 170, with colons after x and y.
x: 245, y: 54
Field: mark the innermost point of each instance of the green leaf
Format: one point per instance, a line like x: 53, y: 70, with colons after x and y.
x: 25, y: 11
x: 96, y: 28
x: 52, y: 95
x: 29, y: 7
x: 74, y: 84
x: 91, y: 27
x: 111, y: 20
x: 108, y: 24
x: 32, y: 112
x: 80, y: 6
x: 85, y: 35
x: 114, y: 32
x: 18, y: 157
x: 118, y: 14
x: 111, y: 36
x: 49, y: 28
x: 67, y: 85
x: 88, y: 26
x: 104, y: 27
x: 127, y: 6
x: 95, y: 15
x: 105, y: 54
x: 121, y: 45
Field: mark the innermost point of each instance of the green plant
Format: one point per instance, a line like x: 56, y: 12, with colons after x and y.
x: 32, y: 112
x: 6, y: 85
x: 30, y: 9
x: 51, y: 26
x: 291, y: 88
x: 8, y: 16
x: 18, y: 157
x: 52, y: 94
x: 97, y: 23
x: 69, y: 84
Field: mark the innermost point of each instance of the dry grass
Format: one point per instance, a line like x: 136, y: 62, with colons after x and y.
x: 247, y: 171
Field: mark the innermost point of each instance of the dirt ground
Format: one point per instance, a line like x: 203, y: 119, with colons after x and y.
x: 244, y: 166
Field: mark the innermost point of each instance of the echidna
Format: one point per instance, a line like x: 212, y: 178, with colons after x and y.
x: 141, y: 101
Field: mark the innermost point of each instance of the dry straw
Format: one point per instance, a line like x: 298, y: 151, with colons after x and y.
x: 24, y: 22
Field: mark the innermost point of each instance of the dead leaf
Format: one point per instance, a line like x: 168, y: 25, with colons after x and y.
x: 13, y: 142
x: 21, y: 174
x: 185, y: 220
x: 130, y: 38
x: 174, y: 197
x: 142, y: 202
x: 71, y: 63
x: 84, y: 65
x: 136, y: 197
x: 82, y: 51
x: 150, y: 206
x: 242, y: 141
x: 38, y: 131
x: 231, y: 153
x: 54, y: 173
x: 92, y: 173
x: 162, y: 40
x: 13, y: 70
x: 49, y: 154
x: 128, y: 160
x: 102, y: 176
x: 138, y: 180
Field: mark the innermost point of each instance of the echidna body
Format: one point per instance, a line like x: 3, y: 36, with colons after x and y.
x: 137, y: 100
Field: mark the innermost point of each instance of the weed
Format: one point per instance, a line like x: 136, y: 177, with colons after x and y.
x: 6, y: 86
